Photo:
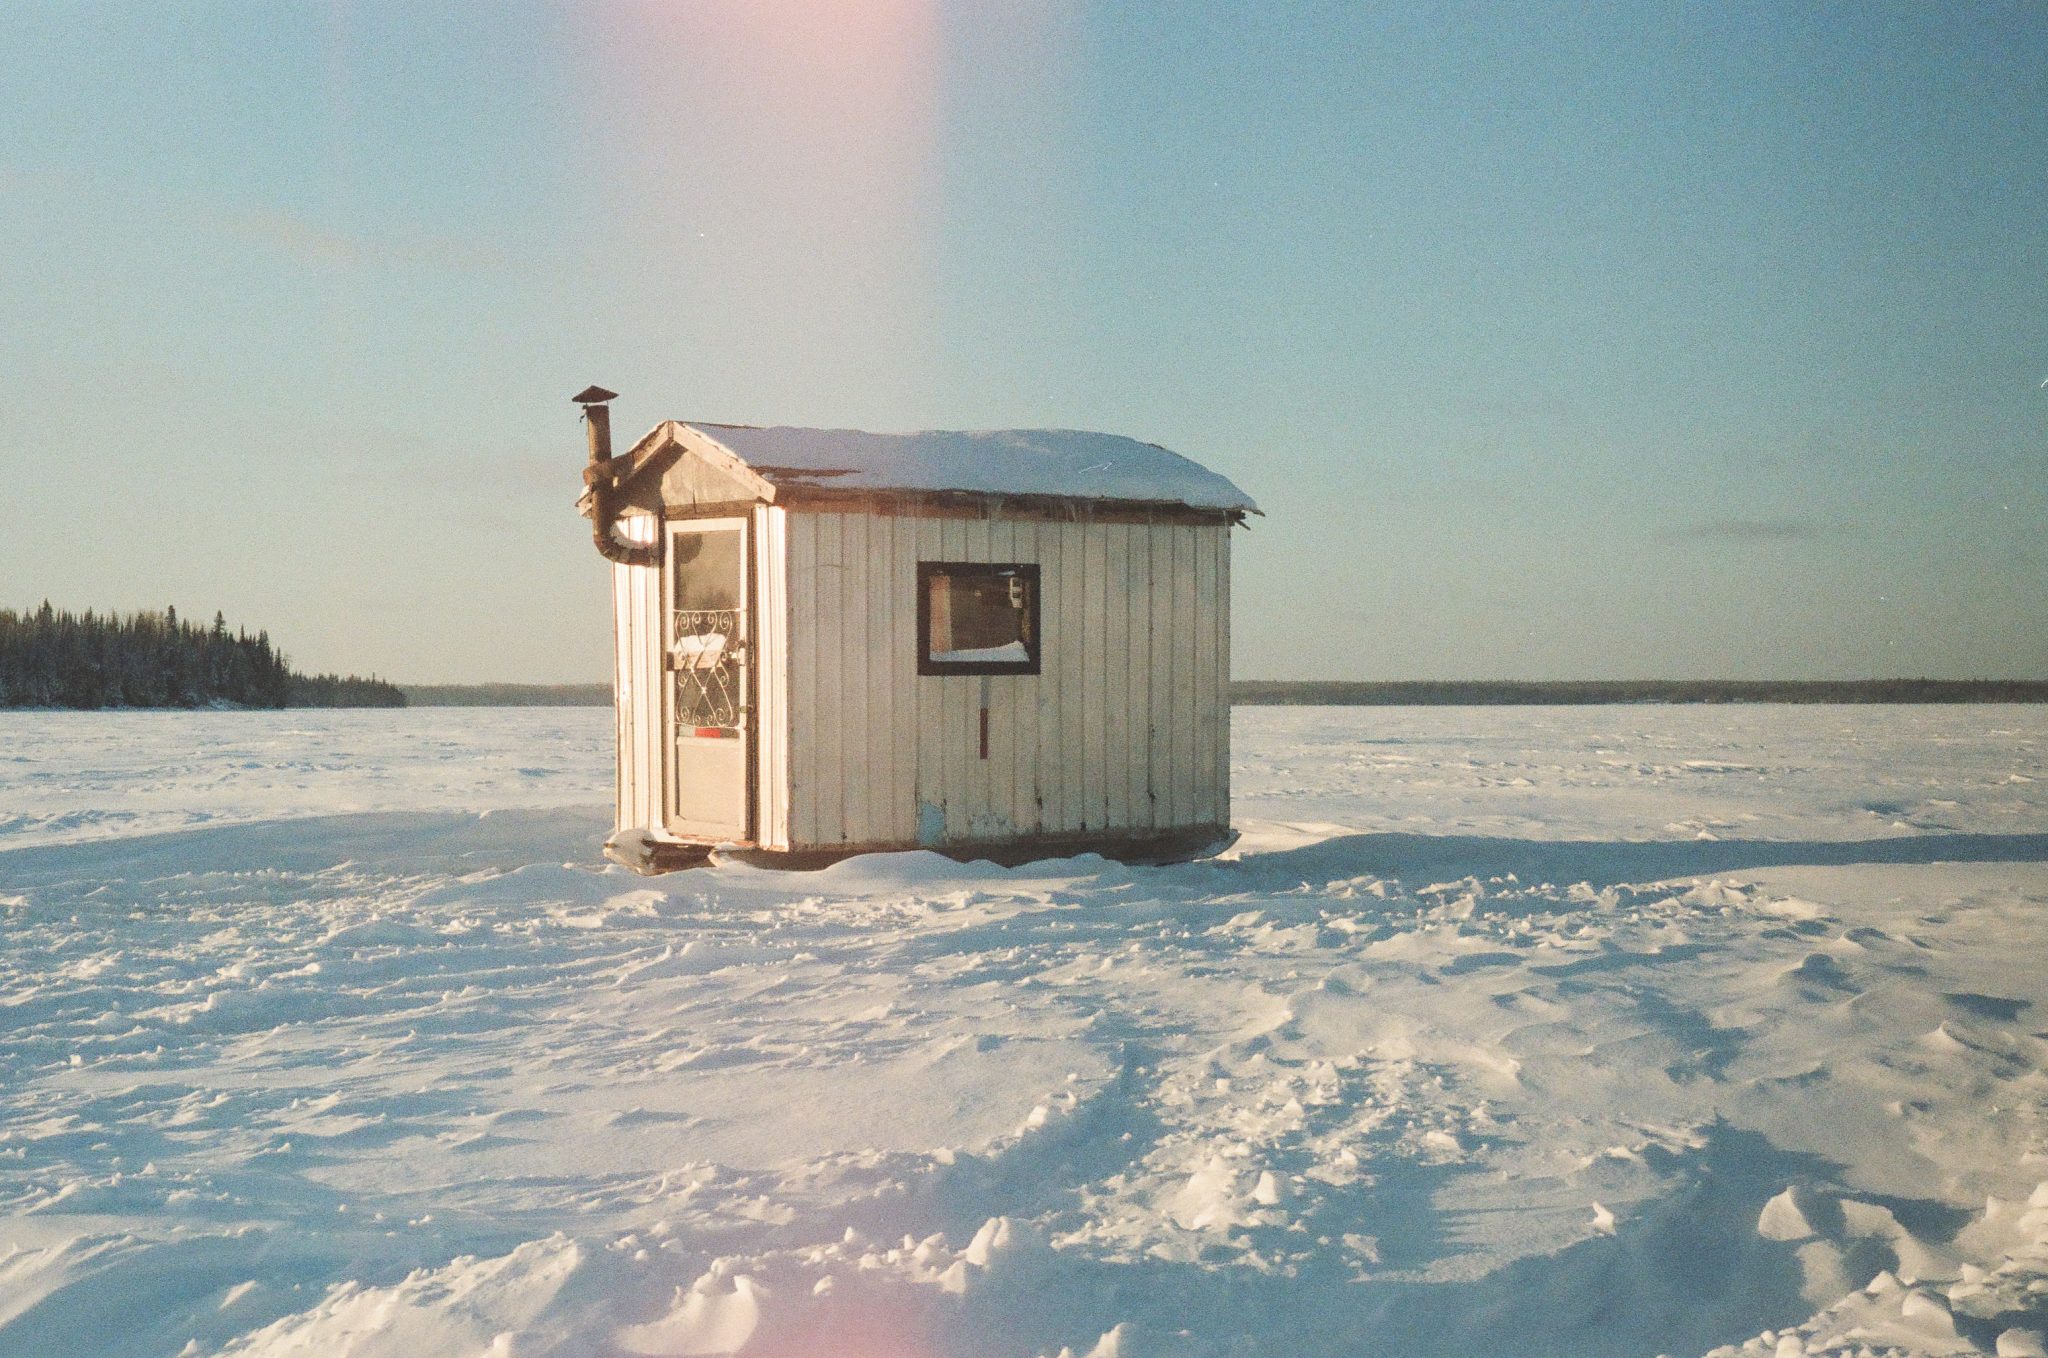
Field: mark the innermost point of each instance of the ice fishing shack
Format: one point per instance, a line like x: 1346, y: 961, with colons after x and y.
x: 1008, y: 645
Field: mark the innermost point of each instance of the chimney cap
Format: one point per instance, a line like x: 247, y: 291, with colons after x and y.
x: 593, y: 396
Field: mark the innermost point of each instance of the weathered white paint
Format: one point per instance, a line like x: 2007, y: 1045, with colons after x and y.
x: 1222, y: 597
x: 1122, y: 731
x: 770, y: 718
x: 636, y: 680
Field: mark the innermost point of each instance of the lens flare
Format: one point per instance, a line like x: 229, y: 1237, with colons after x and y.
x: 782, y: 157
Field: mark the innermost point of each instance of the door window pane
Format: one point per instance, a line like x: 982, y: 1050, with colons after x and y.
x: 706, y: 629
x: 708, y: 569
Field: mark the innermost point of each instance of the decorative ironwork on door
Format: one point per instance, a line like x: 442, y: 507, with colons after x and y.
x: 706, y: 657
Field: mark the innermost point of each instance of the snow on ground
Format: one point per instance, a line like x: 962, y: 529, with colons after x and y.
x: 1622, y: 1030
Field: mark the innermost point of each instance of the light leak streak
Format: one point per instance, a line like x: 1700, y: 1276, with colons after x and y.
x: 783, y: 155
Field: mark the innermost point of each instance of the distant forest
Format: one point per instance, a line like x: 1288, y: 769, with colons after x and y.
x: 54, y: 659
x: 1484, y: 692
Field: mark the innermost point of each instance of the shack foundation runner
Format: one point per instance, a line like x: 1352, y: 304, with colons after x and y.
x: 1007, y: 645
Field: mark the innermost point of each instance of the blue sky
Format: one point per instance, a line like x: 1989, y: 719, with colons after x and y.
x: 1556, y: 341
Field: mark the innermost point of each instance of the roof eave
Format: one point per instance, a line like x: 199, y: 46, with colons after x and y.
x: 798, y: 494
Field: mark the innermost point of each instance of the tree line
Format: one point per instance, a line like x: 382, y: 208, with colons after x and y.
x: 50, y: 658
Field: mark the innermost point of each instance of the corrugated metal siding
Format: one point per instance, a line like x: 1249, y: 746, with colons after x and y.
x: 636, y: 681
x: 1123, y: 730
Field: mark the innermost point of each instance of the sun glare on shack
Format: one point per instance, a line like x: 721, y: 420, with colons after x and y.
x: 1010, y: 644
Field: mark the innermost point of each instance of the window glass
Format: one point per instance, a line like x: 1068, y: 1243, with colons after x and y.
x: 706, y: 629
x: 708, y: 569
x: 977, y: 618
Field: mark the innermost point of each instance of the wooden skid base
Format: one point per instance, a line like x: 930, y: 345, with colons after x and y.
x: 1152, y: 850
x: 651, y: 857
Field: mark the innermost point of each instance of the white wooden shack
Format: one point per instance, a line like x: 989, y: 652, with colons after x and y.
x: 1005, y: 645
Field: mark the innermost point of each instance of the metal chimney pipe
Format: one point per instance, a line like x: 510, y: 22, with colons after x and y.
x: 603, y: 480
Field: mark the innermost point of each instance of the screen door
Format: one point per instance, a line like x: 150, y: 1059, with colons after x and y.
x: 706, y: 659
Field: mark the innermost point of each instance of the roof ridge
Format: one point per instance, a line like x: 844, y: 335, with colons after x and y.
x: 1072, y: 464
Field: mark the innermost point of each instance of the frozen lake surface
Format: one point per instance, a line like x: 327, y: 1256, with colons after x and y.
x: 1589, y: 1031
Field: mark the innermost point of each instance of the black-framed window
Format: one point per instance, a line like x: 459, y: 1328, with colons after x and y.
x: 977, y: 617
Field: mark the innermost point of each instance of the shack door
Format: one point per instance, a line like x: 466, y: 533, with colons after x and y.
x: 705, y: 655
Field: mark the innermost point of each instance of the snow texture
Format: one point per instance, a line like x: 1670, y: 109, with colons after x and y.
x: 1590, y: 1031
x: 1009, y: 650
x: 1064, y: 462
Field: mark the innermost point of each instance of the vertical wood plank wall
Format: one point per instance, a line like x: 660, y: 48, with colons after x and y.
x: 1126, y: 728
x: 768, y: 724
x: 636, y: 681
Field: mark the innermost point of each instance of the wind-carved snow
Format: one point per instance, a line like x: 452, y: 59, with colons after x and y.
x: 1566, y: 1031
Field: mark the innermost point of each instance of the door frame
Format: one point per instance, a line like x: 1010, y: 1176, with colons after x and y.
x: 750, y: 706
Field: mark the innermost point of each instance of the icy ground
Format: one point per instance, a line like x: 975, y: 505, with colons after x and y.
x: 1506, y: 1031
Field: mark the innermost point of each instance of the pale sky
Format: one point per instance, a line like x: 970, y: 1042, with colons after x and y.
x: 1658, y: 341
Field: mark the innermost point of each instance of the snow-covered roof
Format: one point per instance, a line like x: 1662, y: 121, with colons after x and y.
x: 1068, y: 463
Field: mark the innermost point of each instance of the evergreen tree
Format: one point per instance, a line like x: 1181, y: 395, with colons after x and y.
x: 53, y: 659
